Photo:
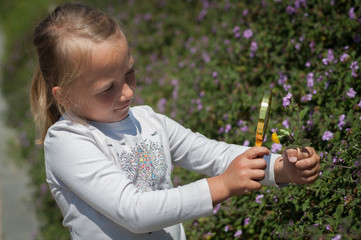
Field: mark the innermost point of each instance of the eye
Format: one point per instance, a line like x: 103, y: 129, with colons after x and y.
x: 130, y: 74
x: 109, y: 88
x: 130, y: 78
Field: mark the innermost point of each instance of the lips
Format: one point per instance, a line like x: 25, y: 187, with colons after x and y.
x: 125, y: 106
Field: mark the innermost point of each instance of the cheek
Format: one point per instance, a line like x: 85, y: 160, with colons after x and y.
x: 106, y: 100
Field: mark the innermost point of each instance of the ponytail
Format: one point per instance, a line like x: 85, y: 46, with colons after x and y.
x: 44, y: 106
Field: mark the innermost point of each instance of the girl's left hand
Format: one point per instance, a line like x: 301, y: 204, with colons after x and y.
x: 300, y: 166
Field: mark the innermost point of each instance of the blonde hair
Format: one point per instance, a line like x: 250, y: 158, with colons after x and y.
x: 62, y: 43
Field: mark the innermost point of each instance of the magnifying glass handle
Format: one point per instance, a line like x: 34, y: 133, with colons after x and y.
x: 263, y: 117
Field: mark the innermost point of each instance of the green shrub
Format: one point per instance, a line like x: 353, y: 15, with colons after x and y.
x: 206, y: 64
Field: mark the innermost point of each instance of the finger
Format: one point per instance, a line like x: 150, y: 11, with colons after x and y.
x: 309, y: 172
x: 254, y: 185
x: 256, y: 152
x: 292, y: 154
x: 305, y: 153
x: 258, y: 175
x: 308, y: 180
x: 308, y: 163
x: 308, y: 150
x: 258, y: 163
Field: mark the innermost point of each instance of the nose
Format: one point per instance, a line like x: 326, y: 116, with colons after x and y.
x: 127, y: 92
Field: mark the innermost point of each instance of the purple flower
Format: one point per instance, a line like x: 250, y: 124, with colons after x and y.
x: 287, y: 100
x: 286, y: 87
x: 254, y: 47
x: 325, y: 61
x: 206, y: 58
x: 246, y: 221
x: 175, y: 82
x: 310, y: 80
x: 248, y: 33
x: 238, y: 233
x: 221, y: 130
x: 341, y: 121
x: 258, y: 198
x: 290, y: 10
x: 359, y: 104
x: 312, y: 46
x: 327, y: 136
x: 226, y: 228
x: 337, y: 237
x: 344, y: 57
x: 246, y: 143
x: 161, y: 105
x: 298, y: 46
x: 306, y: 98
x: 216, y: 209
x: 244, y: 128
x: 351, y: 13
x: 276, y: 147
x: 236, y: 29
x: 228, y: 128
x: 354, y: 68
x: 245, y: 12
x: 330, y: 56
x: 199, y: 105
x: 320, y: 78
x: 354, y: 65
x: 282, y: 80
x: 214, y: 74
x: 286, y: 123
x: 310, y: 123
x: 351, y: 93
x: 202, y: 14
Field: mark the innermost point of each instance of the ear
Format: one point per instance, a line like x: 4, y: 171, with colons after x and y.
x: 56, y: 91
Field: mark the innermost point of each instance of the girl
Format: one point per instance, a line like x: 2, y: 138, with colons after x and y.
x: 109, y: 165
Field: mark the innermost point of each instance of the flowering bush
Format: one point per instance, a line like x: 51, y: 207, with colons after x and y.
x: 206, y: 64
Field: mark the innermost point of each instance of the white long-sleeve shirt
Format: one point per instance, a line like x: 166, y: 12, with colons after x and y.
x: 113, y: 180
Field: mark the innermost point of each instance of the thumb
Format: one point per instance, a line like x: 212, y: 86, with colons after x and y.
x: 292, y: 155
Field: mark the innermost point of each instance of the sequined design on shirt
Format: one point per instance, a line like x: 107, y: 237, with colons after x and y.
x: 145, y: 165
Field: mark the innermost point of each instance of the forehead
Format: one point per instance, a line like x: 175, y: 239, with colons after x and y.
x: 104, y: 61
x: 109, y: 56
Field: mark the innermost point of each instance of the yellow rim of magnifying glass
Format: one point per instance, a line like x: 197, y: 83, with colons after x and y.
x: 263, y: 117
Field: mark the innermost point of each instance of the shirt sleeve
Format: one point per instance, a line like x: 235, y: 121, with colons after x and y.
x: 195, y: 152
x: 75, y: 160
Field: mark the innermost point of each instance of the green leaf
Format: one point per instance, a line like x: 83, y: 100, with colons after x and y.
x: 284, y: 132
x: 339, y: 211
x: 293, y: 146
x: 303, y: 113
x: 305, y: 142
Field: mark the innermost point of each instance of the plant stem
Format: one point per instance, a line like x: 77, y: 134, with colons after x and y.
x: 299, y: 125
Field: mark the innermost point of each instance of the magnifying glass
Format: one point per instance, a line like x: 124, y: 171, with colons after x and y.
x: 264, y: 113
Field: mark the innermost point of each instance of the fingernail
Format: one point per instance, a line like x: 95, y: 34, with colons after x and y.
x: 292, y: 159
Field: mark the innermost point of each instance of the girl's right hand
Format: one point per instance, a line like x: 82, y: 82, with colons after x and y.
x: 241, y: 176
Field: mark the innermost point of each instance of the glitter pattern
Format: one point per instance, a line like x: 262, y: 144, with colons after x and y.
x: 145, y: 165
